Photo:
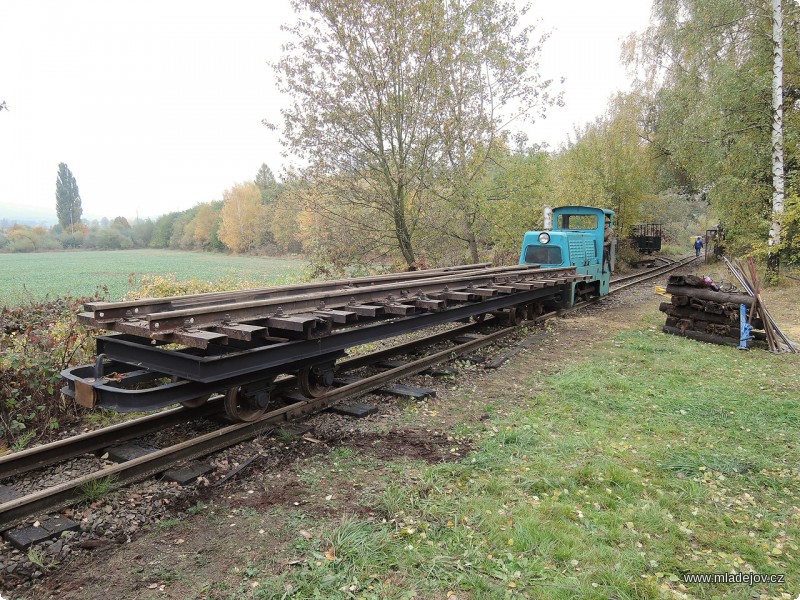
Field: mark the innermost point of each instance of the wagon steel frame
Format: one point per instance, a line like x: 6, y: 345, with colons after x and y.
x: 124, y: 362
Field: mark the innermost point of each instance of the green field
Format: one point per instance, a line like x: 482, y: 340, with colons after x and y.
x: 39, y: 276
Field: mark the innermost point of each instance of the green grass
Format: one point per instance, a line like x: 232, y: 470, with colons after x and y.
x: 662, y: 457
x: 38, y: 276
x: 96, y: 489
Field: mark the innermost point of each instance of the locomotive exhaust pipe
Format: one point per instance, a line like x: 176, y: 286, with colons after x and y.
x: 548, y: 218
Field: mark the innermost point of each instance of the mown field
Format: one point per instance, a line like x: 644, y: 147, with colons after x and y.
x: 39, y: 276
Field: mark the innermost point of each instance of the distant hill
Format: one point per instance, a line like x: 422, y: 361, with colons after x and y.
x: 27, y: 215
x: 11, y: 214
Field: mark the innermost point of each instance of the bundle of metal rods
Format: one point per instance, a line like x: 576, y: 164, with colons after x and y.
x: 747, y: 277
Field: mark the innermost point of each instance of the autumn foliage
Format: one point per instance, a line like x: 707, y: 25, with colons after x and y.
x: 37, y: 342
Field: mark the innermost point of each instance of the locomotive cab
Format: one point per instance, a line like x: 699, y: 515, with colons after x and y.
x: 576, y: 239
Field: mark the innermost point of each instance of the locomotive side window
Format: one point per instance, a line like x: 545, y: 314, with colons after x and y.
x: 543, y: 255
x: 583, y: 222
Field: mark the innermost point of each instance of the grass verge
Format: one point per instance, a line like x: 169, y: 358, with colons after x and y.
x: 613, y: 478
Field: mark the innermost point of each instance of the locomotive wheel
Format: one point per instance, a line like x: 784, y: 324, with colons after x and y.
x: 240, y: 407
x: 314, y: 382
x: 195, y: 402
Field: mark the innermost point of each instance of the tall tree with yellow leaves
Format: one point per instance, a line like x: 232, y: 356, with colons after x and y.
x: 243, y: 218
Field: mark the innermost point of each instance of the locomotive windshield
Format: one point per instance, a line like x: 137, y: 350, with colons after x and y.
x: 583, y: 222
x: 543, y: 255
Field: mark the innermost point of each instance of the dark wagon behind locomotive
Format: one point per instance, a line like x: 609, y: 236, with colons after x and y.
x: 647, y: 237
x: 182, y: 349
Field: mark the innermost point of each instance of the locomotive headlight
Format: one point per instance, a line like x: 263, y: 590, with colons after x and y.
x: 544, y: 238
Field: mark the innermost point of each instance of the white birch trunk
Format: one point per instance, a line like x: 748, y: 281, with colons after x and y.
x: 777, y: 129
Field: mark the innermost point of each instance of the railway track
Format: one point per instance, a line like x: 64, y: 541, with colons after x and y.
x: 620, y: 283
x: 64, y: 494
x: 55, y: 497
x: 47, y: 454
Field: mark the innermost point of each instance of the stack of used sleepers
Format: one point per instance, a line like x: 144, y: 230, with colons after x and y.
x: 698, y: 311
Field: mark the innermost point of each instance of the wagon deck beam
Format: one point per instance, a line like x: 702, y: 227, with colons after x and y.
x: 224, y: 365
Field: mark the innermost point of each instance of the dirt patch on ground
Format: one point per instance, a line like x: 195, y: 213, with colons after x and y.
x: 318, y: 489
x: 214, y: 548
x: 327, y: 498
x: 430, y: 447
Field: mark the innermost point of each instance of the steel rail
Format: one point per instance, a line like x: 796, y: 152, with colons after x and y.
x: 64, y: 494
x: 107, y: 312
x: 170, y: 320
x: 47, y: 454
x: 637, y: 277
x: 647, y: 275
x: 147, y: 305
x: 218, y: 368
x: 61, y: 450
x: 674, y: 263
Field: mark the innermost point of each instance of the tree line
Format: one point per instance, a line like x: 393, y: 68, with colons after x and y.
x: 712, y: 86
x: 402, y: 115
x: 241, y: 222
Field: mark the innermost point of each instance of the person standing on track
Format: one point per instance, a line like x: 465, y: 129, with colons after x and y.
x: 698, y: 245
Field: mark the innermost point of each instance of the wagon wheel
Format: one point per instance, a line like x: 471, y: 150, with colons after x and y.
x: 315, y: 381
x: 242, y: 407
x: 530, y: 312
x: 534, y: 311
x: 196, y: 402
x: 192, y: 402
x: 515, y: 315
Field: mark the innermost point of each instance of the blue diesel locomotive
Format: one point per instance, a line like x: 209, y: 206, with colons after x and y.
x: 576, y: 239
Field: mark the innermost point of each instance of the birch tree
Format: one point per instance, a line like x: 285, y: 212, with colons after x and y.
x: 777, y: 136
x: 714, y: 107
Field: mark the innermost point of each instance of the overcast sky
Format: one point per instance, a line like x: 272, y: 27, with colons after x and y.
x: 157, y: 105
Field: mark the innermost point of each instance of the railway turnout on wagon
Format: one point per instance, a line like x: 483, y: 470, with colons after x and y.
x: 181, y: 349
